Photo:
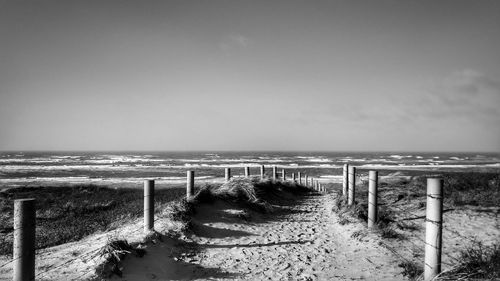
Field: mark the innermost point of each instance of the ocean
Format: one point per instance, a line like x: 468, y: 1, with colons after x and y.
x: 129, y: 169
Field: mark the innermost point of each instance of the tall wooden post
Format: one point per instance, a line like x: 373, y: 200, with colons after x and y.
x: 275, y: 173
x: 262, y: 172
x: 345, y: 179
x: 352, y: 185
x: 299, y: 175
x: 190, y: 184
x: 149, y: 204
x: 24, y: 239
x: 227, y: 174
x: 306, y: 181
x: 247, y: 172
x: 372, y: 198
x: 433, y: 228
x: 283, y: 175
x: 293, y: 177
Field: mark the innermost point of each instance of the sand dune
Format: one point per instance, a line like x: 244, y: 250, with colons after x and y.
x: 298, y: 242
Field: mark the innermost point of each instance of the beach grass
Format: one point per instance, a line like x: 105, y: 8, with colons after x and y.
x: 66, y: 214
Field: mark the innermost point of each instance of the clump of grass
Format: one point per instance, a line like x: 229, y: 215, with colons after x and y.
x: 411, y: 270
x: 385, y: 217
x: 361, y: 212
x: 390, y: 233
x: 476, y: 262
x: 181, y: 210
x: 113, y: 253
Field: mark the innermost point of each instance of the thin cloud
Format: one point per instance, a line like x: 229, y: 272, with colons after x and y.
x: 466, y: 93
x: 234, y: 41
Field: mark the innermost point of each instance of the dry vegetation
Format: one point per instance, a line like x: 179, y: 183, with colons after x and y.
x: 65, y: 214
x: 402, y: 203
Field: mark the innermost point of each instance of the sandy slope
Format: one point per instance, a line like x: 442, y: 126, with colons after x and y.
x: 299, y: 242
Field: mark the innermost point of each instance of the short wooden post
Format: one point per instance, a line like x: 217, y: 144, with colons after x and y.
x: 433, y: 228
x: 345, y: 179
x: 283, y: 175
x: 227, y: 174
x: 372, y: 198
x: 275, y: 173
x: 293, y: 177
x: 24, y: 239
x: 149, y: 204
x: 190, y: 184
x: 262, y: 172
x: 247, y: 172
x: 352, y: 185
x: 299, y: 175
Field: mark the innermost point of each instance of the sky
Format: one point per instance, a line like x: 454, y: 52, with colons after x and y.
x: 250, y: 75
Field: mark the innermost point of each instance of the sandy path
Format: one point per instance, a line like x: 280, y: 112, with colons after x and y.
x: 303, y: 243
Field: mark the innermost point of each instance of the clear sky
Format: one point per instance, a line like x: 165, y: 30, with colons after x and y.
x: 250, y: 75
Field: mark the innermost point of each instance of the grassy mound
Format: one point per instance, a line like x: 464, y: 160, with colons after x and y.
x: 66, y: 214
x: 253, y: 193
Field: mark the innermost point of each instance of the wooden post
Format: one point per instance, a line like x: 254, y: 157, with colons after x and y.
x: 306, y: 181
x: 149, y: 204
x: 433, y: 228
x: 299, y: 175
x: 352, y: 185
x: 275, y: 173
x: 372, y: 198
x: 293, y: 177
x: 283, y: 175
x: 345, y: 179
x: 247, y: 172
x: 190, y: 184
x: 262, y: 172
x: 24, y: 239
x: 227, y: 174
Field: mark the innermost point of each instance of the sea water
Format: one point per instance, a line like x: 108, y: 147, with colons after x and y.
x: 129, y: 169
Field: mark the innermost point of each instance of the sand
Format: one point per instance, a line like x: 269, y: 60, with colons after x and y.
x: 302, y: 242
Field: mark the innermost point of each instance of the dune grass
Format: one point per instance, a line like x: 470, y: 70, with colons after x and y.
x: 251, y: 192
x: 476, y: 261
x: 66, y: 214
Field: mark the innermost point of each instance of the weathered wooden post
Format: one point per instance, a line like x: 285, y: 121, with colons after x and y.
x: 299, y: 175
x: 283, y: 175
x: 24, y: 239
x: 262, y: 172
x: 149, y: 204
x: 190, y: 184
x: 433, y: 228
x: 275, y: 173
x: 306, y: 181
x: 293, y: 177
x: 345, y: 179
x: 227, y: 174
x: 372, y: 198
x: 247, y: 172
x: 352, y: 185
